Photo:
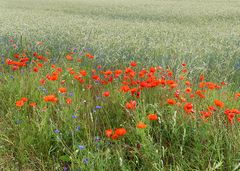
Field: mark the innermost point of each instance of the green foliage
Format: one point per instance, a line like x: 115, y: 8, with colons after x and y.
x: 203, y: 34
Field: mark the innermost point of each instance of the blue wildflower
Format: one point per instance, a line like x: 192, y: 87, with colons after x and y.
x: 81, y: 147
x: 78, y: 128
x: 98, y: 107
x: 2, y: 59
x: 65, y: 168
x: 56, y: 131
x: 74, y: 116
x: 85, y: 161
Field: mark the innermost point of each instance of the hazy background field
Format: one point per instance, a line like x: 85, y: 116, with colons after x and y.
x: 203, y: 33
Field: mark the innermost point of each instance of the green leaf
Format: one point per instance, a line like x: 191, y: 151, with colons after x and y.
x: 65, y: 158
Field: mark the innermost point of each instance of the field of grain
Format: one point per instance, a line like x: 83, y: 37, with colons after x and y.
x: 120, y: 85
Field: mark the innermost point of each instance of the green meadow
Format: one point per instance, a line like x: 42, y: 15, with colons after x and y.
x: 162, y: 35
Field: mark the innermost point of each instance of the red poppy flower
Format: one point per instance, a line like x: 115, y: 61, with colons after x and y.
x: 114, y: 136
x: 171, y: 101
x: 118, y: 72
x: 181, y: 77
x: 68, y: 100
x: 120, y: 131
x: 89, y: 56
x: 95, y: 77
x: 219, y: 103
x: 83, y: 73
x: 141, y: 125
x: 19, y: 103
x: 108, y: 133
x: 188, y: 83
x: 33, y: 104
x: 24, y: 99
x: 62, y: 90
x: 184, y: 70
x: 69, y: 57
x: 16, y: 56
x: 152, y: 117
x: 131, y: 105
x: 35, y: 69
x: 133, y: 64
x: 106, y: 93
x: 42, y: 81
x: 50, y: 98
x: 125, y: 88
x: 201, y: 77
x: 188, y: 90
x: 211, y: 108
x: 237, y: 95
x: 188, y: 107
x: 108, y: 72
x: 206, y: 114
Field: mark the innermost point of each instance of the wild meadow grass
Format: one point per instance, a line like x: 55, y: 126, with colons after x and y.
x: 119, y: 85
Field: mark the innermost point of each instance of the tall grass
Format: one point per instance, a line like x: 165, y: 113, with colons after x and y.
x: 203, y: 34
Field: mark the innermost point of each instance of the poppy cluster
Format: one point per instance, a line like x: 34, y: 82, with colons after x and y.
x: 115, y: 134
x: 21, y: 102
x: 132, y: 82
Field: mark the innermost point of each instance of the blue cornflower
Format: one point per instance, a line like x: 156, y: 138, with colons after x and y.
x: 56, y: 131
x: 85, y: 161
x: 81, y: 147
x: 78, y: 128
x: 98, y: 107
x: 3, y: 59
x: 65, y: 168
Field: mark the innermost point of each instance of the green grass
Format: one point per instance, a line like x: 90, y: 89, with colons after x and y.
x: 204, y: 34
